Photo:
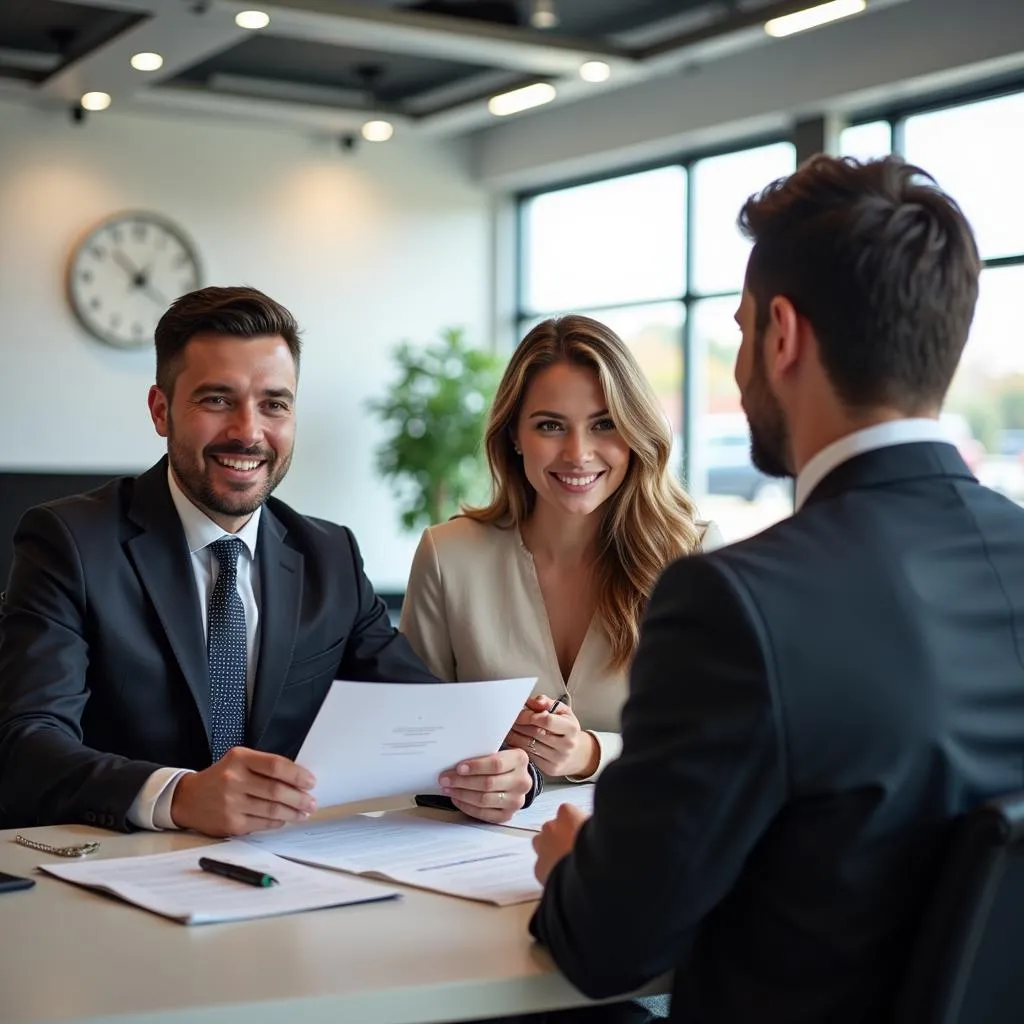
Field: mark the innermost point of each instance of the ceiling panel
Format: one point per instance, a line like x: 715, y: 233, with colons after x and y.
x: 290, y: 60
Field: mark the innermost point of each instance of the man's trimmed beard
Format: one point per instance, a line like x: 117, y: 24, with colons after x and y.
x: 769, y: 433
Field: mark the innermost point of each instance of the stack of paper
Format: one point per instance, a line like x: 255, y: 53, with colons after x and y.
x: 173, y: 885
x: 447, y: 857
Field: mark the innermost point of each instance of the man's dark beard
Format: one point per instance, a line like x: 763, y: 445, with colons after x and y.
x: 769, y: 435
x: 198, y: 488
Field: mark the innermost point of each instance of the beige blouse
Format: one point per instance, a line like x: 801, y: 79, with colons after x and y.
x: 474, y: 610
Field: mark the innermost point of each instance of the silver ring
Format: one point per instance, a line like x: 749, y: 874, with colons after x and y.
x: 533, y: 743
x: 501, y: 797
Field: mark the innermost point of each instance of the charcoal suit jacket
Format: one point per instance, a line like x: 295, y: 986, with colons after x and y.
x: 810, y: 709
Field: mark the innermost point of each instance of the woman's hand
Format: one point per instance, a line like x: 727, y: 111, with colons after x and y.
x: 554, y: 740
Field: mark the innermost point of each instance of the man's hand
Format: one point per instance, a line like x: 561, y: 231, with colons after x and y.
x: 556, y: 839
x: 490, y: 788
x: 245, y: 791
x: 554, y: 740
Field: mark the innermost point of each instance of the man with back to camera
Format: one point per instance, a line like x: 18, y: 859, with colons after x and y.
x: 811, y: 708
x: 166, y: 641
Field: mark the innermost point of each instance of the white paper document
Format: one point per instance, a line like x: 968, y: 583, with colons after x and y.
x: 545, y: 807
x: 447, y: 857
x: 172, y: 884
x: 374, y: 740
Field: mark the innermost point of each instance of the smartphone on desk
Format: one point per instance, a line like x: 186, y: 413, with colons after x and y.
x: 12, y: 883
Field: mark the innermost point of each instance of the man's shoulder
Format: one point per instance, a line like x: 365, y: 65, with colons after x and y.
x: 311, y: 535
x: 104, y: 504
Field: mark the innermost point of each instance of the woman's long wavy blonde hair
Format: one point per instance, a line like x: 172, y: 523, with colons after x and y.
x: 649, y: 520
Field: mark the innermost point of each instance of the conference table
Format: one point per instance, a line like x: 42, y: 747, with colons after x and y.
x: 75, y: 955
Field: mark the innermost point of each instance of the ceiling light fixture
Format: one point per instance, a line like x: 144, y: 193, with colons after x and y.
x: 812, y: 17
x: 147, y: 61
x: 95, y: 101
x: 252, y: 19
x: 377, y: 131
x: 595, y: 71
x: 544, y: 14
x: 521, y: 99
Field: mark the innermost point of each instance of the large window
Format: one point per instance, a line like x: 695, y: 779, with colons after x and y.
x: 656, y: 255
x: 617, y: 250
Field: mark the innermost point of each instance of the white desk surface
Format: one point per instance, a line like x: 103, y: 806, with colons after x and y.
x: 69, y: 954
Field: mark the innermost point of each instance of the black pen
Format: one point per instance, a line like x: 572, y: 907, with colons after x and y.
x: 564, y: 699
x: 237, y: 872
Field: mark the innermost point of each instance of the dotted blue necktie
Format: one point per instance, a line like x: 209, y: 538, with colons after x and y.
x: 226, y: 652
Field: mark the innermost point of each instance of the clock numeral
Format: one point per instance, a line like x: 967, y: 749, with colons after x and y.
x: 181, y: 260
x: 161, y: 243
x: 99, y: 252
x: 115, y: 319
x: 115, y: 235
x: 95, y: 303
x: 137, y: 329
x: 139, y: 231
x: 86, y: 276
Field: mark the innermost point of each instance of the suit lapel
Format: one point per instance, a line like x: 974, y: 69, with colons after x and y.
x: 280, y: 570
x: 163, y: 562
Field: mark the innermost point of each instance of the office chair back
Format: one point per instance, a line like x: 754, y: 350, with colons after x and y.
x: 966, y: 965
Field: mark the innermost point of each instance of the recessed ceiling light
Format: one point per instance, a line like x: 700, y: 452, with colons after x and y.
x: 812, y: 17
x: 252, y: 19
x: 595, y: 71
x: 147, y: 61
x: 377, y: 131
x: 95, y: 100
x: 544, y: 14
x: 521, y: 99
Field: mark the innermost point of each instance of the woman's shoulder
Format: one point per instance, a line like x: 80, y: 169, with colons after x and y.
x: 469, y: 538
x: 709, y: 533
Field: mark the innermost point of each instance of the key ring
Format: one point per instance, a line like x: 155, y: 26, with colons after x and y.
x: 78, y: 850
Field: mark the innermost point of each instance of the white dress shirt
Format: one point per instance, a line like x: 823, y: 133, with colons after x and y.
x: 151, y: 807
x: 882, y: 435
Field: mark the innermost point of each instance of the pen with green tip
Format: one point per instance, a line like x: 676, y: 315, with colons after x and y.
x: 237, y: 872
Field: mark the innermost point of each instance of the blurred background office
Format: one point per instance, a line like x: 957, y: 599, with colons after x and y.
x: 392, y: 171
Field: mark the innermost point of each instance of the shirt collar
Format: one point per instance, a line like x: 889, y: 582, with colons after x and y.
x: 882, y: 435
x: 200, y: 530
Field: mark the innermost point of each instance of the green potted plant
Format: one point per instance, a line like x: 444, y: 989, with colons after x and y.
x: 435, y: 415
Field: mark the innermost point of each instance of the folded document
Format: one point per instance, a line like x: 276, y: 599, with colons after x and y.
x: 173, y: 885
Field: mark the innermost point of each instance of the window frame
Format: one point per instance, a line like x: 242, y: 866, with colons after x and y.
x: 894, y: 113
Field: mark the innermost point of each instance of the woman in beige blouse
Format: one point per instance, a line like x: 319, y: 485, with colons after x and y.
x: 551, y: 579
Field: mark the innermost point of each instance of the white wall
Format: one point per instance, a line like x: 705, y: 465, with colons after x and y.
x: 367, y: 249
x: 906, y: 50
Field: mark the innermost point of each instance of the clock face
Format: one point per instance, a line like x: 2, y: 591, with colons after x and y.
x: 125, y: 274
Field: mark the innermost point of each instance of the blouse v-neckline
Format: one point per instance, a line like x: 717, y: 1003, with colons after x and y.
x: 568, y: 683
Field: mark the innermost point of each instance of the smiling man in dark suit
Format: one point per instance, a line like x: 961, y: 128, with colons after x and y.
x: 812, y: 707
x: 166, y: 641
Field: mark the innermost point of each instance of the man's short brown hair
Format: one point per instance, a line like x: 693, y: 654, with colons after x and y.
x: 883, y: 265
x: 240, y: 312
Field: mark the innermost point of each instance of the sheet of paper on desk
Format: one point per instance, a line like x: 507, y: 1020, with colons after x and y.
x: 545, y: 807
x: 448, y: 857
x: 173, y: 885
x: 372, y: 740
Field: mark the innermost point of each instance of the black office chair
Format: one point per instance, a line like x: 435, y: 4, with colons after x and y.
x: 966, y: 965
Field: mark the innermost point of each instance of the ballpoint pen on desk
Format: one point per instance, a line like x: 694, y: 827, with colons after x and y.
x: 237, y: 872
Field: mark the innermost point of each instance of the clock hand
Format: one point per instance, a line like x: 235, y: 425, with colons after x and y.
x: 137, y: 276
x: 149, y: 290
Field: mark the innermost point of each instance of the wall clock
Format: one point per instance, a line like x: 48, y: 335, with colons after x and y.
x: 124, y: 274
